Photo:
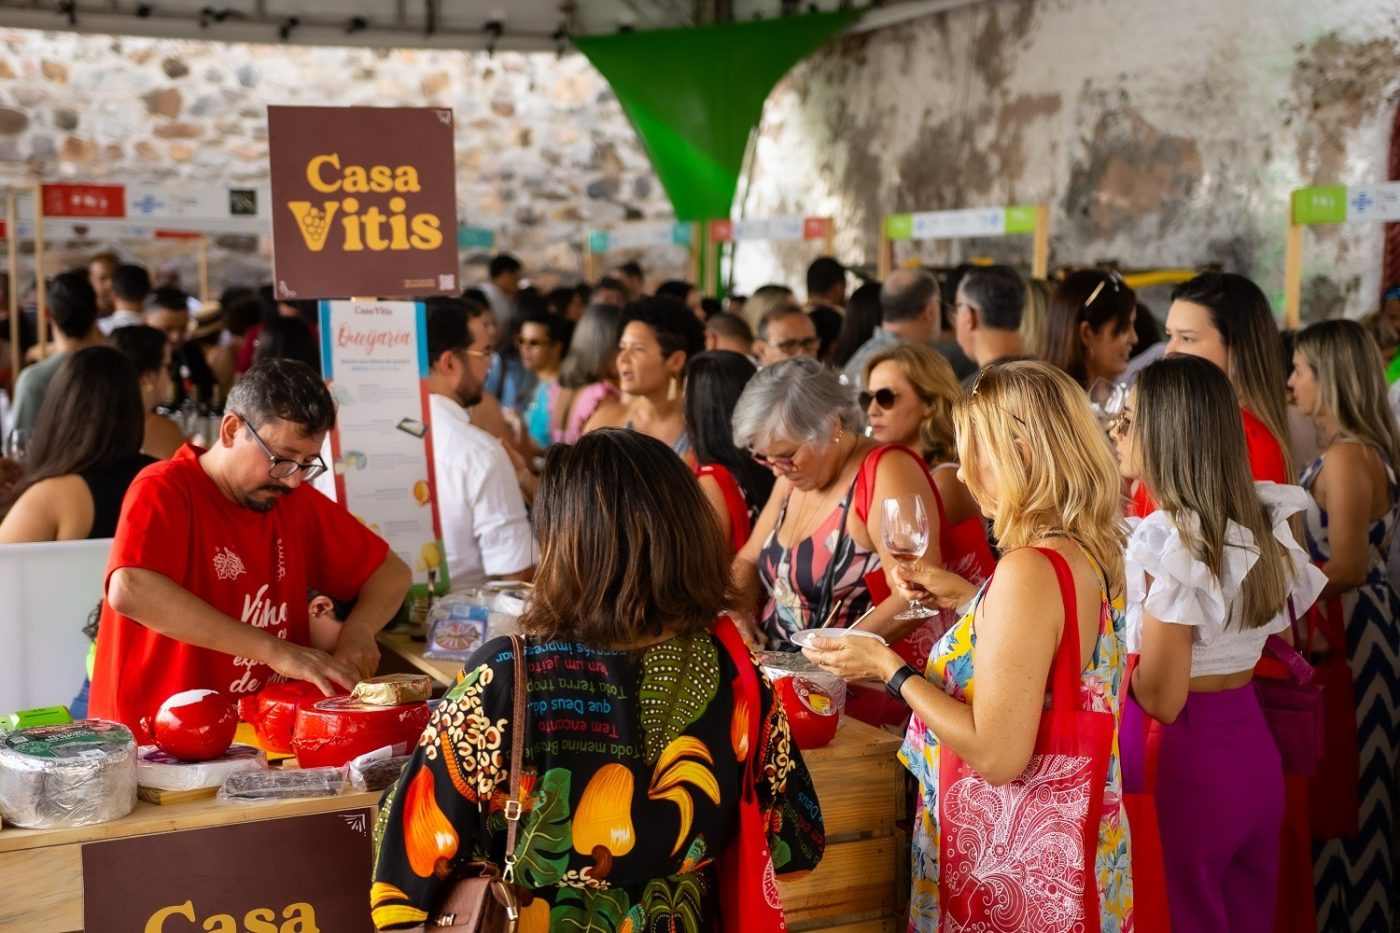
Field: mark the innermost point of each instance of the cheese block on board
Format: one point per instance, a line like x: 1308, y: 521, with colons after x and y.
x: 77, y: 774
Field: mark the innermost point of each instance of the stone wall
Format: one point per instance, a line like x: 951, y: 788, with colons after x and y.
x: 1161, y: 132
x: 543, y: 149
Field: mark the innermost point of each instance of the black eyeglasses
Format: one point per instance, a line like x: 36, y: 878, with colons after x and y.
x: 799, y: 345
x: 282, y: 467
x: 885, y: 398
x: 781, y: 464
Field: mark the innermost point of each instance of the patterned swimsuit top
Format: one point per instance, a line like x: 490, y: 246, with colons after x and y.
x: 805, y: 581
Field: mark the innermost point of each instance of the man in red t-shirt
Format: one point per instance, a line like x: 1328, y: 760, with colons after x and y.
x: 215, y: 551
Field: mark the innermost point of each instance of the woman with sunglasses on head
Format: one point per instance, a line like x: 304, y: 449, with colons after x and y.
x: 817, y: 548
x: 1352, y: 515
x: 909, y: 397
x: 658, y: 336
x: 1089, y: 329
x: 1210, y: 576
x: 1225, y: 318
x: 1033, y: 456
x: 735, y: 486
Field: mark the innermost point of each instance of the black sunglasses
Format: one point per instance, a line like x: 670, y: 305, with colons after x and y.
x: 885, y: 398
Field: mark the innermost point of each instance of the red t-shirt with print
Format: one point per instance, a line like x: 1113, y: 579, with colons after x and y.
x: 253, y: 566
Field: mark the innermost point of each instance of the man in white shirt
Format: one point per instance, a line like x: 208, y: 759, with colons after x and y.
x: 502, y: 288
x: 131, y: 286
x: 484, y: 525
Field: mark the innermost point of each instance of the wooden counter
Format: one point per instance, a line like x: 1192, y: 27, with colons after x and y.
x: 43, y: 887
x: 859, y: 782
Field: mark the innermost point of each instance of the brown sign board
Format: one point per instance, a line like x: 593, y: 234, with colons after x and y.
x: 300, y: 873
x: 364, y: 202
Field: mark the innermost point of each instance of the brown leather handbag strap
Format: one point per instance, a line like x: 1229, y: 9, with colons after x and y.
x: 519, y: 728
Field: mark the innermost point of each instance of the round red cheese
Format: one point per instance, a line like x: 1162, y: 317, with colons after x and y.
x: 272, y: 712
x: 332, y: 732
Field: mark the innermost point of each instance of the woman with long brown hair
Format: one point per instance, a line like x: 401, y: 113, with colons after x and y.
x: 1352, y: 515
x: 85, y: 452
x: 1210, y: 575
x: 637, y: 737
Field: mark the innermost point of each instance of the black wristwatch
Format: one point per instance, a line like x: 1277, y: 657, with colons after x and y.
x: 896, y: 683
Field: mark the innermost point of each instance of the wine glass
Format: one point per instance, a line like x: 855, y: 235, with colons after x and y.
x: 904, y: 526
x: 1106, y: 399
x: 16, y: 443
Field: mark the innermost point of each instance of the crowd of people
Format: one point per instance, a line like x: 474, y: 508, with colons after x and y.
x: 1209, y: 497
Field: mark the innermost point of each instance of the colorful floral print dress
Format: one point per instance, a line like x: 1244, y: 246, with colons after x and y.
x: 630, y: 788
x: 950, y: 667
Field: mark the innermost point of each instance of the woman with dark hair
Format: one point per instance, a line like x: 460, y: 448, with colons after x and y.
x: 85, y: 452
x: 1210, y: 576
x: 588, y: 375
x: 542, y: 342
x: 149, y: 352
x: 1089, y: 328
x: 287, y: 338
x: 861, y: 321
x: 735, y: 485
x: 566, y: 302
x: 1353, y: 510
x: 627, y: 802
x: 658, y: 336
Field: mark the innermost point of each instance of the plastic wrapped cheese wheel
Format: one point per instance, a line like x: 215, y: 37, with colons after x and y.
x: 160, y: 771
x: 76, y: 774
x: 272, y: 712
x: 333, y: 731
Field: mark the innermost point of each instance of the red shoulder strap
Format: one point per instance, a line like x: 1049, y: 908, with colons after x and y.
x: 728, y: 634
x: 1064, y: 671
x: 734, y: 501
x: 865, y: 489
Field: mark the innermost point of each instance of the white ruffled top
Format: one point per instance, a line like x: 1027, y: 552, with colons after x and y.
x: 1185, y: 592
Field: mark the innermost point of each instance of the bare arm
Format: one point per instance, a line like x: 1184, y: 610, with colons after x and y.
x: 715, y: 496
x: 899, y: 475
x: 57, y: 509
x: 748, y: 588
x: 1344, y: 489
x: 1163, y: 676
x: 162, y: 605
x: 380, y: 598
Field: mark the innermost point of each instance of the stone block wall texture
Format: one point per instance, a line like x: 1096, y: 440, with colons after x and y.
x: 1161, y: 133
x: 543, y: 149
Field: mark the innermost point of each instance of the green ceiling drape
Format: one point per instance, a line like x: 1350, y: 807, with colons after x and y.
x: 695, y: 94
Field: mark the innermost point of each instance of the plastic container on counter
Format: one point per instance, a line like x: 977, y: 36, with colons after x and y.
x: 332, y: 732
x: 461, y: 621
x: 814, y: 699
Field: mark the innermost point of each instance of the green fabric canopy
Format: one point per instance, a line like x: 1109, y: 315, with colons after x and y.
x: 695, y: 94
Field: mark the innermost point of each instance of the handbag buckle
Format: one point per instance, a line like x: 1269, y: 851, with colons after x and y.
x: 512, y: 810
x: 508, y: 875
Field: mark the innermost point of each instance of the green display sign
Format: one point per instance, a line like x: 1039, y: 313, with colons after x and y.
x: 899, y: 227
x: 1323, y: 205
x: 1020, y: 218
x: 475, y: 238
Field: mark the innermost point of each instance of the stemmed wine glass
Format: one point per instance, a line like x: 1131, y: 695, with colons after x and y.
x: 1106, y: 399
x: 904, y: 527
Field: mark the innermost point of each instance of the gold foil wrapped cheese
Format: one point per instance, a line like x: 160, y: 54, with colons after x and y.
x: 394, y: 689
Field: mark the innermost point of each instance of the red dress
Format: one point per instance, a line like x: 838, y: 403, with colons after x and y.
x: 740, y: 517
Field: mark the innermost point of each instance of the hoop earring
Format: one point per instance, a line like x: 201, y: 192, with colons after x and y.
x: 673, y: 389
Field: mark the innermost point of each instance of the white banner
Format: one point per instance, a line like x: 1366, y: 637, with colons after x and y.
x: 374, y: 355
x: 977, y: 221
x: 1380, y: 202
x: 769, y: 228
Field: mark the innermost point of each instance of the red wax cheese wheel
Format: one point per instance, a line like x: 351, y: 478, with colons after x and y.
x: 333, y: 731
x: 194, y: 725
x: 272, y: 712
x: 811, y: 713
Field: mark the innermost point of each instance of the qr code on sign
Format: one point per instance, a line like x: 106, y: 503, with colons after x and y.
x: 447, y: 282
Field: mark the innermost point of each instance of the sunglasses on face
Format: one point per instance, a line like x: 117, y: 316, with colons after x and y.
x: 885, y: 398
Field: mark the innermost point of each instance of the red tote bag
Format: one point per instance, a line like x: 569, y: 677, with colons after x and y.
x: 1021, y: 856
x: 1151, y: 910
x: 747, y: 885
x: 1333, y: 796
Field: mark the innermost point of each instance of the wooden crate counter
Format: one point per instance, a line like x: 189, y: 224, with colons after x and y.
x: 858, y: 781
x: 44, y: 887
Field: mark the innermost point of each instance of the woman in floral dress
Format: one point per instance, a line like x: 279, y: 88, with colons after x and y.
x: 1033, y: 456
x: 635, y: 736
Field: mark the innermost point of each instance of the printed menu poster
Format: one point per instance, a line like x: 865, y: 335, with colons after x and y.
x: 375, y: 358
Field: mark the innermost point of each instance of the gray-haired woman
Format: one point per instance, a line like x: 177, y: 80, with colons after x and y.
x: 818, y: 540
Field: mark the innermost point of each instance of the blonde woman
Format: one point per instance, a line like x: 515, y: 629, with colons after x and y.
x: 910, y: 391
x: 1337, y: 380
x: 1033, y: 456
